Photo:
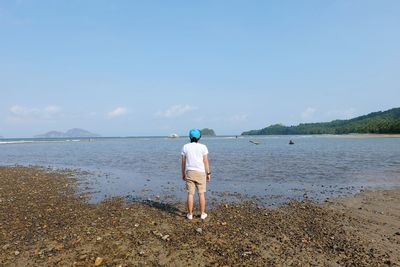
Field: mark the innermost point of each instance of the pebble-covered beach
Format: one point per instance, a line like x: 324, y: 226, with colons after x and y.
x: 46, y: 221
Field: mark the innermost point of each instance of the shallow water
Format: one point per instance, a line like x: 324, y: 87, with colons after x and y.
x: 273, y: 171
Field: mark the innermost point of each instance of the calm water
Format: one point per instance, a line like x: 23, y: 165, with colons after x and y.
x: 316, y: 166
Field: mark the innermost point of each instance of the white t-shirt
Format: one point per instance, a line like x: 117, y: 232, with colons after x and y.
x: 194, y: 153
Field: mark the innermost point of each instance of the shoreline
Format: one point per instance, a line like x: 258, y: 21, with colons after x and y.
x: 46, y: 222
x: 368, y: 135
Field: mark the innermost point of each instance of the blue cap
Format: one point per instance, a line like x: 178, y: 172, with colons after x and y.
x: 195, y: 133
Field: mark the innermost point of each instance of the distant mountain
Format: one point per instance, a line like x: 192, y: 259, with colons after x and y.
x: 70, y: 133
x: 381, y: 122
x: 76, y: 132
x: 207, y: 132
x: 51, y: 134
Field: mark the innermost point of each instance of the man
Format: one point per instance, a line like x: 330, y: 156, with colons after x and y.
x: 195, y: 171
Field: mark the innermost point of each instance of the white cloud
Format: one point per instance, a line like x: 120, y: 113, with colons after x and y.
x: 22, y: 111
x: 238, y: 118
x: 175, y: 111
x: 118, y: 112
x: 52, y: 109
x: 308, y: 113
x: 28, y: 114
x: 342, y: 114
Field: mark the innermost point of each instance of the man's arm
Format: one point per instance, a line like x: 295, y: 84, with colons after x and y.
x: 183, y: 167
x: 207, y: 167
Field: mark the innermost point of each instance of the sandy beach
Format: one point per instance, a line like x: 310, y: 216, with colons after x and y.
x: 368, y: 135
x: 45, y: 221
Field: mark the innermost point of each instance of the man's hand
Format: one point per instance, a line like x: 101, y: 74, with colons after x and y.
x: 183, y: 168
x: 208, y: 177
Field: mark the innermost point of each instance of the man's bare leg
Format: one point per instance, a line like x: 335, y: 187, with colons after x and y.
x: 190, y: 203
x: 202, y: 201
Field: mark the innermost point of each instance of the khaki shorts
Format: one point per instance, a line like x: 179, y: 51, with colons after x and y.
x: 195, y: 179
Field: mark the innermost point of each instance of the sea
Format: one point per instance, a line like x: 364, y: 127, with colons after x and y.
x: 264, y: 169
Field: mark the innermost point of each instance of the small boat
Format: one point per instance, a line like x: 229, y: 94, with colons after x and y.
x: 173, y: 136
x: 291, y: 142
x: 254, y: 142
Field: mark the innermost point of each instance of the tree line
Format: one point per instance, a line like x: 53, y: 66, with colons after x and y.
x: 381, y: 122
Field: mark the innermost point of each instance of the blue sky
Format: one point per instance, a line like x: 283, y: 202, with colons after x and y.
x: 123, y: 68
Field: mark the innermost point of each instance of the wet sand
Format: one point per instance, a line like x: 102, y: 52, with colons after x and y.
x: 368, y: 135
x: 378, y: 216
x: 44, y: 221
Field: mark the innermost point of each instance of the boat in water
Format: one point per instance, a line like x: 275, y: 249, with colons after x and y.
x: 173, y: 135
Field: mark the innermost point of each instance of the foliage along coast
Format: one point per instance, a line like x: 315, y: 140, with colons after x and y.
x: 208, y: 132
x: 381, y: 122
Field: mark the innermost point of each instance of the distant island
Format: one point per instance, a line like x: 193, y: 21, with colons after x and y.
x: 207, y: 132
x: 381, y: 122
x: 76, y: 132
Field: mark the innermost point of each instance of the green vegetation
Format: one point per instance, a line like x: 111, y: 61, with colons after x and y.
x: 207, y: 132
x: 381, y: 122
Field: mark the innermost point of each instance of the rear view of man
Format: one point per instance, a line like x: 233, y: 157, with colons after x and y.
x: 195, y: 171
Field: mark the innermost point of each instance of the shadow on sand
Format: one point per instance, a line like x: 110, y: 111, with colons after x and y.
x: 173, y: 208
